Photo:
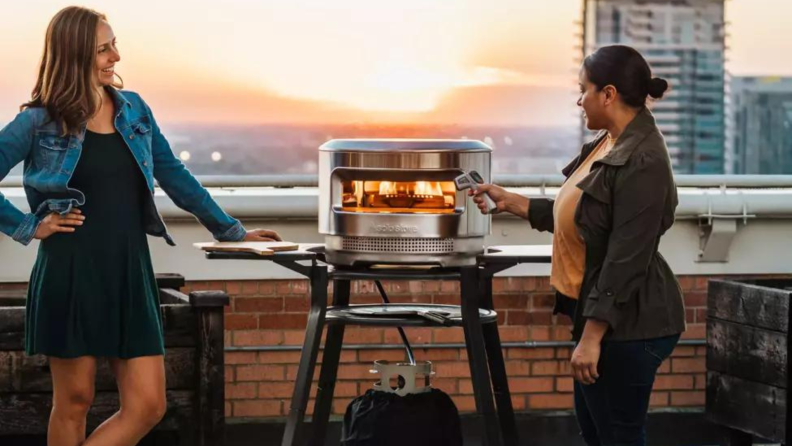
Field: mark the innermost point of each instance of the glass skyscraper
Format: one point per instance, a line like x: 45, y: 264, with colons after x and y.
x: 759, y: 125
x: 683, y: 41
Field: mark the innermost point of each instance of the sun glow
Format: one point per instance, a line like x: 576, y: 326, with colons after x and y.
x: 394, y: 57
x: 313, y: 60
x: 474, y: 62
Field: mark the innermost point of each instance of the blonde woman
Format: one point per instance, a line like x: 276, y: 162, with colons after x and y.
x: 91, y: 155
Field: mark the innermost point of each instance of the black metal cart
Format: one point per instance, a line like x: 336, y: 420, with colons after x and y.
x: 478, y: 320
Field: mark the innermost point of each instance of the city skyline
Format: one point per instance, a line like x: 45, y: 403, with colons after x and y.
x: 684, y: 42
x: 311, y: 62
x: 759, y: 134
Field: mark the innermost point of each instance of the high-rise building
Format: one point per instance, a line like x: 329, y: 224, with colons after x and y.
x: 759, y: 125
x: 683, y: 41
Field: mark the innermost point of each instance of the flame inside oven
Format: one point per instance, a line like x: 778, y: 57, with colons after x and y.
x: 423, y: 189
x: 399, y: 196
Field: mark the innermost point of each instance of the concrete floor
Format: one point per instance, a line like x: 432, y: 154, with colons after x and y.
x: 664, y: 429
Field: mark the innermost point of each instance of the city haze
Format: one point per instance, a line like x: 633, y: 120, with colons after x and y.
x: 245, y: 87
x: 310, y: 61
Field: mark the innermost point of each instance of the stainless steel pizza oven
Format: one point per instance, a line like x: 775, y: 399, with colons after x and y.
x: 393, y: 201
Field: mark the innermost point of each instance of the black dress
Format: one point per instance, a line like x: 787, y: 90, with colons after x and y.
x: 93, y: 292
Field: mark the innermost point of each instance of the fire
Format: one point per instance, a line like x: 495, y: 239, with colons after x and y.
x: 422, y: 189
x: 426, y: 188
x: 399, y: 196
x: 388, y: 188
x: 358, y: 191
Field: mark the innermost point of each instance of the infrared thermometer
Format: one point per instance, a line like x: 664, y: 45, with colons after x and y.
x: 471, y: 180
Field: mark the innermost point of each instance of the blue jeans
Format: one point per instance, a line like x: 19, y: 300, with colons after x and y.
x: 612, y: 411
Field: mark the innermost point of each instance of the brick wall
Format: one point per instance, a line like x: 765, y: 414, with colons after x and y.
x: 274, y: 313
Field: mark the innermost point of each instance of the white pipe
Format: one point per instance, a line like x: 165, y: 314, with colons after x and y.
x: 303, y: 203
x: 508, y: 180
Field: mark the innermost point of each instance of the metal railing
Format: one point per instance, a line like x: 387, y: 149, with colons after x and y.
x: 701, y: 196
x: 433, y: 346
x: 508, y: 180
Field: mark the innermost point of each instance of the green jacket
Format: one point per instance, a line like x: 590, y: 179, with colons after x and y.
x: 627, y: 204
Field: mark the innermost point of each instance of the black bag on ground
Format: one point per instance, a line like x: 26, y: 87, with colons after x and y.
x: 385, y: 419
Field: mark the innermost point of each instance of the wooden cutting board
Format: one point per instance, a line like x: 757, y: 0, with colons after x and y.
x: 260, y: 248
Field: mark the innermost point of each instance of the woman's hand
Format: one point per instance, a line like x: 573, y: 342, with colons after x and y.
x: 504, y: 200
x: 584, y: 362
x: 55, y: 222
x: 262, y: 235
x: 586, y: 356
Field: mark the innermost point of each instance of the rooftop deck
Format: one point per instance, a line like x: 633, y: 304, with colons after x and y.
x: 682, y: 428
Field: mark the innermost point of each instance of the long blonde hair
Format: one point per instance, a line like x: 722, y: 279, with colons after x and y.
x: 65, y: 84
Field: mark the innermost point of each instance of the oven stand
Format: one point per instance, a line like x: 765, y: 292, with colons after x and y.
x: 485, y: 357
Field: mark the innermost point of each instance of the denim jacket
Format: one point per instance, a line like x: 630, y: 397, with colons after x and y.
x: 50, y: 159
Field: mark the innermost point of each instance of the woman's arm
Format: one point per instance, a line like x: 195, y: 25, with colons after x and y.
x: 185, y: 190
x: 504, y: 200
x: 15, y: 142
x: 538, y: 211
x: 540, y: 214
x: 586, y: 356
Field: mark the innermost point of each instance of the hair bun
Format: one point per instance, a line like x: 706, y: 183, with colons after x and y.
x: 657, y: 87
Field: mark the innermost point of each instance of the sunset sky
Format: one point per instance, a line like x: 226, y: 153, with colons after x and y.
x: 302, y: 61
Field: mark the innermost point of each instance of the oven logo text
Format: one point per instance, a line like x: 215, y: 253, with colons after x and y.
x: 394, y: 229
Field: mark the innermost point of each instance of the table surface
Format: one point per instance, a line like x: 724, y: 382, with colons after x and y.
x: 305, y: 251
x: 492, y: 254
x: 517, y: 254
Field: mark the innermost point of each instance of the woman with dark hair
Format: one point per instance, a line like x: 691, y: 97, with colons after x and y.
x: 91, y: 154
x: 607, y: 220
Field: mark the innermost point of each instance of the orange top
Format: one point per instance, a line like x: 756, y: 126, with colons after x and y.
x: 569, y: 250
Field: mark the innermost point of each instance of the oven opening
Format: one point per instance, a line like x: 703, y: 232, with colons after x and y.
x: 381, y: 192
x: 432, y: 197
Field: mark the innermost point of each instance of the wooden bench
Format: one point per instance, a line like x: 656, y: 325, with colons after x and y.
x: 748, y: 361
x: 194, y: 367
